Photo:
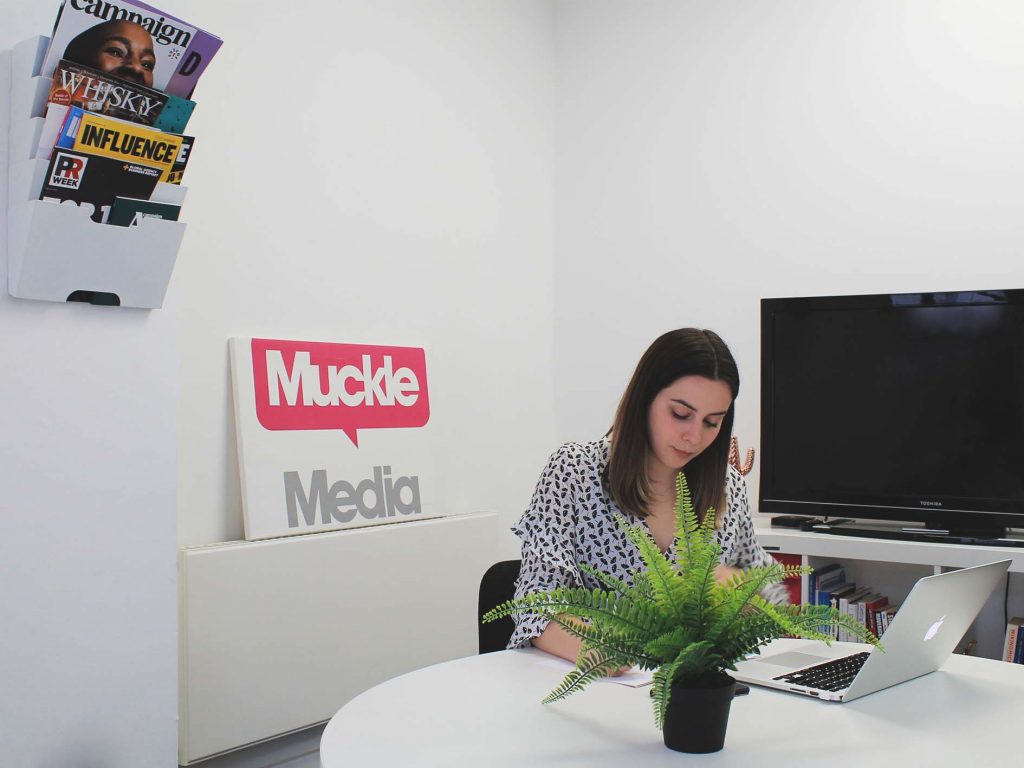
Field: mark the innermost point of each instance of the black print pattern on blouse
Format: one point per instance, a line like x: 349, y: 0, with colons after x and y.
x: 570, y: 521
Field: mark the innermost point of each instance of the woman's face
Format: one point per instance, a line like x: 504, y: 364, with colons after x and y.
x: 683, y: 420
x: 127, y: 51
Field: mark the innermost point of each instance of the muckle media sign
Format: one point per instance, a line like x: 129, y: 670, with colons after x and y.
x: 330, y: 435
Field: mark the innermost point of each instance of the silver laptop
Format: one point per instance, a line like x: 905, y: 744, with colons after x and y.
x: 921, y: 636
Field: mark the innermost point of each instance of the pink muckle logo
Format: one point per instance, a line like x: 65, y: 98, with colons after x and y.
x: 306, y: 385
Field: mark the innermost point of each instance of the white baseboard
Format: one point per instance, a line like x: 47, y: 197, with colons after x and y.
x: 296, y: 750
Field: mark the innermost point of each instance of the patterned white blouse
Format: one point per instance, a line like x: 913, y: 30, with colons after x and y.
x: 570, y: 521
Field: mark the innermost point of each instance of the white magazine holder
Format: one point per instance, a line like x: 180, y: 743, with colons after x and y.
x: 55, y: 252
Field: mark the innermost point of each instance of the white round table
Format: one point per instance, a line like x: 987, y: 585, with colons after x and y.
x: 486, y: 711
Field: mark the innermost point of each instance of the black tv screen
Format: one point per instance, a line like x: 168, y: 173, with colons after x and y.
x: 896, y: 407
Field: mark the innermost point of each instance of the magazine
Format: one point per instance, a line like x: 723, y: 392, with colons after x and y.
x: 53, y: 124
x: 199, y: 54
x: 95, y: 181
x: 132, y: 40
x: 128, y: 211
x: 175, y: 115
x: 123, y: 140
x: 76, y: 85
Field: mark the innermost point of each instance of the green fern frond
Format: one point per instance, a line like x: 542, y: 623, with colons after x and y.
x: 668, y: 645
x: 661, y: 691
x: 627, y: 648
x: 699, y: 588
x: 793, y: 571
x: 687, y: 525
x: 693, y: 661
x: 666, y: 585
x: 696, y: 535
x: 808, y: 621
x: 618, y: 612
x: 633, y: 592
x: 736, y: 597
x: 643, y: 585
x: 754, y: 631
x: 588, y: 669
x: 697, y: 660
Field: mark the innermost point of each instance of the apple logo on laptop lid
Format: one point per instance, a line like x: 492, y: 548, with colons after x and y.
x: 933, y: 630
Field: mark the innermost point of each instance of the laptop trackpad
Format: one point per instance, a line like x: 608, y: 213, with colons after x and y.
x: 793, y: 659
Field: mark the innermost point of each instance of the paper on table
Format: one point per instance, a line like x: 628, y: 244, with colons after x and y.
x: 635, y: 678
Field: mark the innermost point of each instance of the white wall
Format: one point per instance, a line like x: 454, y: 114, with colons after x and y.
x: 710, y: 154
x: 364, y: 172
x: 375, y: 172
x: 88, y: 519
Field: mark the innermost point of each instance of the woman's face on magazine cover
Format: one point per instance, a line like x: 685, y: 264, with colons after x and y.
x: 127, y: 52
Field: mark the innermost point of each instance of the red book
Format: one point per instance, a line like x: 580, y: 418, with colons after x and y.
x: 870, y: 608
x: 792, y: 584
x: 1010, y: 644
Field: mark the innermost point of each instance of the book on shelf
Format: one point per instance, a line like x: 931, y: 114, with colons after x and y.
x: 861, y: 606
x: 871, y: 607
x: 1013, y: 628
x: 832, y: 580
x: 818, y: 577
x: 878, y: 617
x: 1018, y: 652
x: 792, y: 583
x: 887, y: 616
x: 123, y: 140
x: 849, y: 606
x: 78, y: 85
x: 134, y: 41
x: 837, y: 595
x: 841, y: 602
x: 95, y: 181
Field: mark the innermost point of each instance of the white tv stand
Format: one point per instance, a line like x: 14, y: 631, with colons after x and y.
x: 892, y: 566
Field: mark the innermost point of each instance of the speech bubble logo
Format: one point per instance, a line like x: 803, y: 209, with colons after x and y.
x: 308, y: 385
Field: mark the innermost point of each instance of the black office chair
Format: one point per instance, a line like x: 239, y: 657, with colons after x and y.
x: 497, y: 585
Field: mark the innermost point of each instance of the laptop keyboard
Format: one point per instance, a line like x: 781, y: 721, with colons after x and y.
x: 833, y: 675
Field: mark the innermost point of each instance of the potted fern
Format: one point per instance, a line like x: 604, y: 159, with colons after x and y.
x: 677, y: 620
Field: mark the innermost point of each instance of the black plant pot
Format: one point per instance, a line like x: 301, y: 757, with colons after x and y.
x: 696, y: 717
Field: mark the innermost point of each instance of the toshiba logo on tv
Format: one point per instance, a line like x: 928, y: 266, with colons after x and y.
x: 302, y: 385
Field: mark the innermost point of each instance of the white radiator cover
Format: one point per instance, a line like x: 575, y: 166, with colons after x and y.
x: 277, y: 635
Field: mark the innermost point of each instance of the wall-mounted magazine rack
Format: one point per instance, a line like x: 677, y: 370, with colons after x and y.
x: 55, y: 252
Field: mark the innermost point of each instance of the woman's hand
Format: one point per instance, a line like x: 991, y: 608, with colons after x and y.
x: 558, y: 642
x: 724, y: 573
x: 619, y: 671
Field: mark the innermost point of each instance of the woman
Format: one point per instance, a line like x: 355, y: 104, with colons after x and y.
x: 676, y: 413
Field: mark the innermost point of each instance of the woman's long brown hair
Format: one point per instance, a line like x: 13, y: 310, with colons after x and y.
x: 683, y: 352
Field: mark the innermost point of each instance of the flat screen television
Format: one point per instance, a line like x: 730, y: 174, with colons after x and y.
x: 898, y: 407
